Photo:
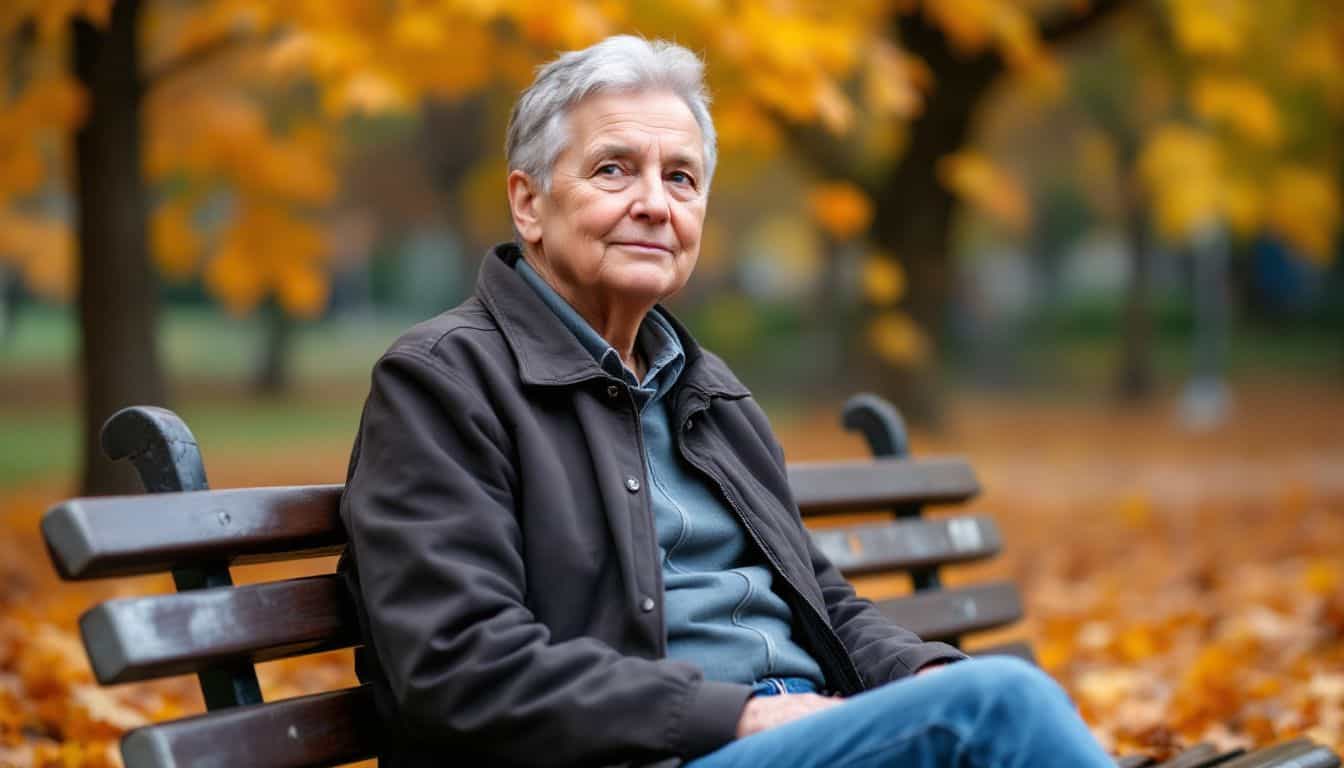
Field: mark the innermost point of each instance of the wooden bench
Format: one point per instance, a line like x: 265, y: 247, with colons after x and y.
x: 219, y: 632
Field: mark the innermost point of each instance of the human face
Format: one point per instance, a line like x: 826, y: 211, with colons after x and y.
x: 620, y: 225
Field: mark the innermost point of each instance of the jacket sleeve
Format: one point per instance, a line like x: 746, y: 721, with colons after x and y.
x: 430, y: 516
x: 881, y: 650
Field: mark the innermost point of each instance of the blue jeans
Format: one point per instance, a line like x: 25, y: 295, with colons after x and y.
x: 995, y: 712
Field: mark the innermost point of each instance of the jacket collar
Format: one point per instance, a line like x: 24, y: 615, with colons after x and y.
x: 549, y: 354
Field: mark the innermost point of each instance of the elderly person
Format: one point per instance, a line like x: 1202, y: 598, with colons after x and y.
x: 572, y: 540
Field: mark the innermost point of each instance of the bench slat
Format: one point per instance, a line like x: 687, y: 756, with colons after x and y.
x: 831, y: 487
x: 147, y: 637
x: 908, y: 544
x: 129, y: 535
x: 1298, y: 753
x: 322, y: 729
x: 1200, y: 755
x: 1019, y: 650
x: 949, y: 613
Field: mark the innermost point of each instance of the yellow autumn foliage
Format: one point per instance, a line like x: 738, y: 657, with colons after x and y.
x: 746, y: 125
x: 893, y: 82
x: 1212, y: 27
x: 267, y: 249
x: 969, y: 24
x: 209, y: 127
x: 973, y: 177
x: 480, y: 195
x: 1183, y: 170
x: 173, y: 240
x: 42, y: 249
x: 1243, y: 205
x: 302, y: 289
x: 50, y: 17
x: 1240, y: 103
x: 1263, y: 76
x: 1303, y: 206
x: 841, y: 208
x: 37, y: 117
x: 1316, y: 55
x: 897, y: 339
x: 883, y: 279
x: 234, y: 278
x: 216, y: 126
x: 1009, y: 26
x: 1193, y: 186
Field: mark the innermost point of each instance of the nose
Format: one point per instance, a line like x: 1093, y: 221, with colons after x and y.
x: 650, y: 204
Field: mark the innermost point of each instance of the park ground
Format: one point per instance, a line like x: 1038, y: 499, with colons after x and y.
x: 1182, y: 586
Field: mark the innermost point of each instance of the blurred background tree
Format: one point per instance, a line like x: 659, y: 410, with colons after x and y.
x: 282, y: 158
x: 1042, y: 220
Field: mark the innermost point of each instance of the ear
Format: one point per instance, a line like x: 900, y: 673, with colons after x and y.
x: 526, y: 204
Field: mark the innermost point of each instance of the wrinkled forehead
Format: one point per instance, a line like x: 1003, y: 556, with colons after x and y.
x: 635, y: 123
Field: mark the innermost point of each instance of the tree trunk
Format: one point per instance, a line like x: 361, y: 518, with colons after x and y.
x: 451, y: 136
x: 830, y: 339
x: 9, y: 303
x: 1135, y: 379
x: 914, y: 211
x: 118, y: 296
x: 273, y: 375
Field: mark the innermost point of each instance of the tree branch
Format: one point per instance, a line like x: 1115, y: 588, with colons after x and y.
x: 834, y: 157
x: 1065, y: 25
x: 194, y: 58
x: 837, y: 157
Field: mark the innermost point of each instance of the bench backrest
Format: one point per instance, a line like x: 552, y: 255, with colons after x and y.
x: 219, y: 631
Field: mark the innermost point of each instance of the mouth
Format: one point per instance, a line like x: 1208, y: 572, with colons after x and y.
x: 644, y: 246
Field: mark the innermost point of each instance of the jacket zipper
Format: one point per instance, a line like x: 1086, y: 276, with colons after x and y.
x: 840, y: 659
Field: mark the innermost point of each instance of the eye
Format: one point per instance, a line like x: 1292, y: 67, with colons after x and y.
x: 681, y: 177
x: 608, y: 169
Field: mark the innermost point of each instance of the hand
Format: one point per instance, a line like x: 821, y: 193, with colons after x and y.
x: 765, y: 712
x: 934, y: 667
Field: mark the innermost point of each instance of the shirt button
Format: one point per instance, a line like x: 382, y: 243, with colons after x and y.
x: 646, y: 605
x: 613, y: 391
x: 632, y: 484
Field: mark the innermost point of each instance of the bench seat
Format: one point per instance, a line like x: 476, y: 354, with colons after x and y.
x: 219, y: 631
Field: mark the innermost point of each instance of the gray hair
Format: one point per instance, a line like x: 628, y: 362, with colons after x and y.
x: 623, y: 63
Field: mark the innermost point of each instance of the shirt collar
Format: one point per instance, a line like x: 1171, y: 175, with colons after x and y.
x: 549, y: 355
x: 656, y: 339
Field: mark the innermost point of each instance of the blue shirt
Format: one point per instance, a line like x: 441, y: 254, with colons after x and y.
x: 721, y: 611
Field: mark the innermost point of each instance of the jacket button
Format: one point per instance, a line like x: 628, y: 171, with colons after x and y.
x: 646, y: 605
x: 613, y: 391
x: 632, y: 484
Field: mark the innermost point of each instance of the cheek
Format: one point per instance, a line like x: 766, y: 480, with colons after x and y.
x: 688, y: 224
x: 600, y: 213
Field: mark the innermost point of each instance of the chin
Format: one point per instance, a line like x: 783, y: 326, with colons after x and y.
x: 645, y: 283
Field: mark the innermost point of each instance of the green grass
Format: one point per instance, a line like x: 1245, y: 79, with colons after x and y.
x: 209, y: 359
x: 209, y: 343
x: 35, y: 445
x: 41, y: 445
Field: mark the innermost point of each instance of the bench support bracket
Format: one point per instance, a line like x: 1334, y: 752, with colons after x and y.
x: 168, y: 460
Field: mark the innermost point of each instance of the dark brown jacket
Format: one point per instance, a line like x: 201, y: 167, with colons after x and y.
x: 504, y: 561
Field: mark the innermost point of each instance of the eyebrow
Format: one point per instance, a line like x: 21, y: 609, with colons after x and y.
x: 684, y: 160
x: 612, y: 150
x: 680, y: 159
